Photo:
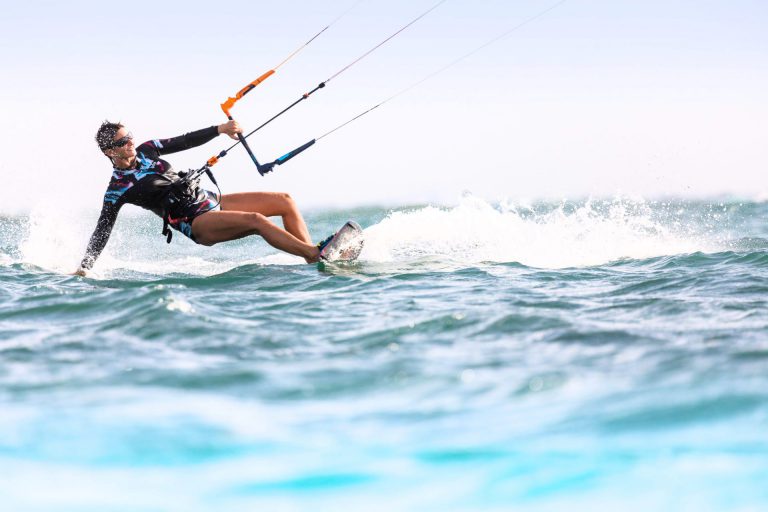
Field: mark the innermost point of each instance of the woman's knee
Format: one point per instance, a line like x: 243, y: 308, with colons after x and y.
x: 286, y: 200
x: 256, y: 220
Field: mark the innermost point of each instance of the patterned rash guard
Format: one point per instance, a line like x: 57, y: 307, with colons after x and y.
x: 147, y: 186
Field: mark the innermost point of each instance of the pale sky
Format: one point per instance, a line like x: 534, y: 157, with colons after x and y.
x: 643, y: 98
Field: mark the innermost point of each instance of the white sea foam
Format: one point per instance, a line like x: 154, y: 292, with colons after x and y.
x: 475, y: 231
x: 177, y: 304
x: 50, y: 242
x: 56, y: 241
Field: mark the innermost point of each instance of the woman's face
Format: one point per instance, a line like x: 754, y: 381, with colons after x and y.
x: 124, y: 149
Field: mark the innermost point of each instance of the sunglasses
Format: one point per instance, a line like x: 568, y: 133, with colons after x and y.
x: 122, y: 141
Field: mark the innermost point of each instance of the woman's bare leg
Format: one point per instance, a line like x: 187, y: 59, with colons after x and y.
x: 213, y: 227
x: 269, y: 204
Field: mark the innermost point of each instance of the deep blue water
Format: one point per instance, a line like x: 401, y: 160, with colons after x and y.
x: 576, y: 356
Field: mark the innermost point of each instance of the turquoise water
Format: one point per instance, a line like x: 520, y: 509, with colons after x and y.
x: 569, y: 356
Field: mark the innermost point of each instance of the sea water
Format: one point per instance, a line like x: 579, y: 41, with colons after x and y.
x: 590, y: 355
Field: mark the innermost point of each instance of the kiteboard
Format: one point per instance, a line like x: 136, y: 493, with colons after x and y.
x: 345, y: 245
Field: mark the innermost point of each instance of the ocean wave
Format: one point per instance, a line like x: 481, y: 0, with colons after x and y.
x: 549, y: 236
x: 543, y: 235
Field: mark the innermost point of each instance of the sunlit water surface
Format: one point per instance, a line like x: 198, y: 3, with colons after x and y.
x: 575, y: 356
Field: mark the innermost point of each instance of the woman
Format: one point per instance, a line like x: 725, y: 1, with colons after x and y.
x: 142, y: 178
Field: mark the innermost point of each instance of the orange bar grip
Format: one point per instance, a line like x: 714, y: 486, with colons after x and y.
x: 212, y: 161
x: 227, y: 105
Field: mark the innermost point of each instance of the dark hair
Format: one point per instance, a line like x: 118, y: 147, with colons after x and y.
x: 105, y: 136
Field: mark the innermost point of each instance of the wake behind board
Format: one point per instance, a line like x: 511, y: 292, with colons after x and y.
x: 345, y: 245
